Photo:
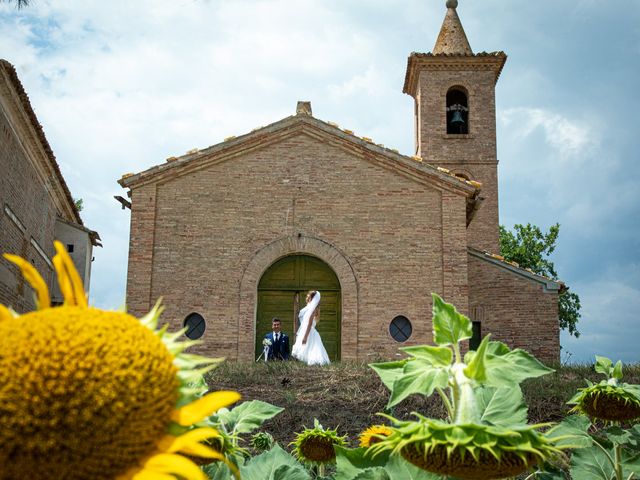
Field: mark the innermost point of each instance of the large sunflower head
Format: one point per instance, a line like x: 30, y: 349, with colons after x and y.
x: 315, y: 446
x: 373, y: 434
x: 468, y: 452
x: 89, y: 393
x: 610, y: 400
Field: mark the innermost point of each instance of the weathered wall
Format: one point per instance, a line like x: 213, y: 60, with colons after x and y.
x: 474, y: 154
x: 514, y: 309
x: 27, y: 218
x: 192, y: 238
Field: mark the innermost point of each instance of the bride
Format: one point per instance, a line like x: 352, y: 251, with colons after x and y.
x: 308, y: 347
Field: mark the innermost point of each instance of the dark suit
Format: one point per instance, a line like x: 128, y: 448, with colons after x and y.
x: 279, y: 350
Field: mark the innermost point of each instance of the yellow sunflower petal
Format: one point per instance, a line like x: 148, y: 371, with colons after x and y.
x: 70, y: 282
x: 167, y: 463
x: 189, y: 442
x: 5, y: 314
x: 204, y: 407
x: 32, y: 276
x: 149, y: 475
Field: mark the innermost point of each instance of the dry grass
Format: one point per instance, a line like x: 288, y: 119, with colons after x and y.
x: 347, y: 396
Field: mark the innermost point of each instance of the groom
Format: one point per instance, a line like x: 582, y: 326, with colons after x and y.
x: 279, y: 349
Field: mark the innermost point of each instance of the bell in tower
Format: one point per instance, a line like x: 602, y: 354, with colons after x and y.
x: 455, y: 117
x: 457, y: 112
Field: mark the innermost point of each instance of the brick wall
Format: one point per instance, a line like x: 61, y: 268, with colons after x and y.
x: 474, y: 154
x: 193, y: 237
x: 514, y: 309
x: 25, y: 198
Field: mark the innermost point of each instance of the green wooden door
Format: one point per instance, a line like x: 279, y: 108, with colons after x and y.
x: 282, y: 291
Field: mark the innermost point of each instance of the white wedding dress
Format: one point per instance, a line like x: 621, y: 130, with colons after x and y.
x: 313, y: 352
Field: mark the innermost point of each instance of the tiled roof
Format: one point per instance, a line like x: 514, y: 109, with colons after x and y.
x: 513, y: 266
x: 489, y: 60
x: 366, y: 141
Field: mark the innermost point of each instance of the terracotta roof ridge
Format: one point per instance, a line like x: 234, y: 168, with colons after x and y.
x: 343, y: 133
x: 497, y: 53
x: 501, y: 259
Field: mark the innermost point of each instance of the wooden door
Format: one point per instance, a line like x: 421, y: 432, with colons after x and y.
x: 282, y: 291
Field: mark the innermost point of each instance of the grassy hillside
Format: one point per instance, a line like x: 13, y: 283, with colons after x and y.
x: 348, y: 395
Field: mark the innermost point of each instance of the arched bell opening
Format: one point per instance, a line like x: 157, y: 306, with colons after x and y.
x: 282, y: 291
x: 457, y: 111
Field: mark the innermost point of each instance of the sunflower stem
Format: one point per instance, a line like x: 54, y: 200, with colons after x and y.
x: 465, y: 406
x: 618, y: 465
x: 446, y: 401
x: 456, y: 350
x: 321, y: 470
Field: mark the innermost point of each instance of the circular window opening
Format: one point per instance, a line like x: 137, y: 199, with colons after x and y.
x: 400, y: 328
x: 195, y: 325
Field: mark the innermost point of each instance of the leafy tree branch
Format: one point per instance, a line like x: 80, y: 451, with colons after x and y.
x: 530, y: 247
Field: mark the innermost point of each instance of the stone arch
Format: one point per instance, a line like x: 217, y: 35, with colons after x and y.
x: 297, y: 244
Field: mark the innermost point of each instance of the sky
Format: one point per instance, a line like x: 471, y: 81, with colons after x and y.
x: 119, y: 86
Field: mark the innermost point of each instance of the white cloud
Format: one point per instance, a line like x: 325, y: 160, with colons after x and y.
x: 569, y: 140
x: 610, y: 324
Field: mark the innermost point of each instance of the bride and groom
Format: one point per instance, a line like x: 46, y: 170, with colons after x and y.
x: 308, y: 347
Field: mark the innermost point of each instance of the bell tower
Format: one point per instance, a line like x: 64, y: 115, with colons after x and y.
x: 455, y: 117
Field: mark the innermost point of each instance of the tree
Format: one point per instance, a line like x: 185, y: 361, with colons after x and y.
x: 530, y: 248
x: 79, y: 204
x: 19, y: 3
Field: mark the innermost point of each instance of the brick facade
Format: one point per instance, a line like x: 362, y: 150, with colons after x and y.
x: 380, y: 230
x: 34, y: 198
x: 517, y: 308
x: 206, y: 226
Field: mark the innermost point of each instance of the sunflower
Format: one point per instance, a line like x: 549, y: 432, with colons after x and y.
x: 314, y: 446
x: 89, y: 393
x: 468, y: 452
x: 485, y: 435
x: 374, y: 434
x: 610, y: 399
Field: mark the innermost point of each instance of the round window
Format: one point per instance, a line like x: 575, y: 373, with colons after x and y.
x: 400, y: 328
x: 195, y: 325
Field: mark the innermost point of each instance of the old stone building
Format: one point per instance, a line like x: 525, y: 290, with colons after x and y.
x: 234, y: 234
x: 37, y: 207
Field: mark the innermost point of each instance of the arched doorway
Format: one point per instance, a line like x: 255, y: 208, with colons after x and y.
x: 281, y: 293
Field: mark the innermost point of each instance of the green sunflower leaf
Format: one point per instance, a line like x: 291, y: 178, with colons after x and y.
x: 603, y: 365
x: 449, y: 326
x: 247, y: 416
x: 592, y: 464
x: 503, y: 406
x: 617, y: 371
x: 398, y: 468
x: 276, y: 464
x: 418, y: 376
x: 389, y: 371
x: 352, y: 462
x: 632, y: 389
x: 506, y: 368
x: 375, y: 473
x: 630, y: 437
x: 217, y: 471
x: 437, y: 356
x: 572, y: 432
x: 476, y: 368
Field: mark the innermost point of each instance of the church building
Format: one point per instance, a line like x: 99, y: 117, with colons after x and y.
x: 236, y: 234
